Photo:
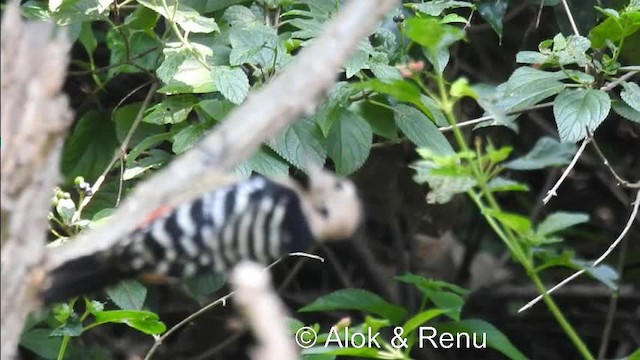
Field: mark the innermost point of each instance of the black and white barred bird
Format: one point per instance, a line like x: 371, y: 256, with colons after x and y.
x: 257, y: 219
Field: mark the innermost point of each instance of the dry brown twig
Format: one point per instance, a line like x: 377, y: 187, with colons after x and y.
x: 35, y: 116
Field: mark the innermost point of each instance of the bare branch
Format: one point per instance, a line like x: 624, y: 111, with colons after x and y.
x: 264, y: 311
x: 554, y: 190
x: 35, y: 117
x: 599, y: 260
x: 294, y: 92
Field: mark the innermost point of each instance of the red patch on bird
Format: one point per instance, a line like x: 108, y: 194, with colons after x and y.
x: 154, y: 215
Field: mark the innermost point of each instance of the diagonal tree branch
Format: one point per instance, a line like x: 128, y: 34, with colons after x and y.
x: 294, y: 92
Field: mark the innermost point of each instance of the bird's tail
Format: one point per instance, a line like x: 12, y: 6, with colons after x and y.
x: 80, y: 276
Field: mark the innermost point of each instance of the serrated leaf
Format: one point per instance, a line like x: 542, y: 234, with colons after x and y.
x: 349, y: 141
x: 172, y: 110
x: 232, y: 82
x: 546, y: 152
x: 182, y: 72
x: 241, y: 16
x: 385, y: 72
x: 442, y: 187
x: 187, y: 137
x: 259, y: 45
x: 128, y: 295
x: 137, y: 48
x: 356, y: 62
x: 267, y: 163
x: 631, y: 95
x: 89, y: 149
x: 186, y: 17
x: 421, y: 131
x: 357, y: 299
x: 603, y: 273
x: 621, y: 108
x: 495, y: 339
x: 379, y: 118
x: 299, y: 142
x: 559, y: 221
x: 577, y: 111
x: 216, y: 109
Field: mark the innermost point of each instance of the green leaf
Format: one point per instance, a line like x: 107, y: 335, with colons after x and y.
x: 128, y: 295
x: 186, y: 17
x: 73, y: 328
x: 259, y: 45
x: 124, y: 118
x: 493, y: 12
x: 240, y: 16
x: 144, y: 321
x: 203, y: 285
x: 603, y: 273
x: 379, y: 118
x: 299, y: 142
x: 518, y: 223
x: 631, y: 95
x: 349, y: 141
x: 504, y: 184
x: 142, y: 18
x: 187, y: 137
x: 559, y: 221
x: 437, y: 7
x: 183, y: 72
x: 546, y: 152
x: 39, y: 342
x: 615, y: 29
x: 526, y: 87
x: 385, y: 72
x: 216, y: 109
x: 420, y: 318
x: 357, y: 299
x: 267, y: 163
x: 421, y: 282
x: 318, y: 351
x: 430, y: 33
x: 438, y: 116
x: 495, y: 339
x: 90, y: 147
x: 421, y: 131
x: 402, y: 90
x: 172, y: 110
x: 356, y: 62
x: 626, y: 111
x: 442, y: 187
x: 232, y: 82
x: 577, y: 110
x: 139, y: 49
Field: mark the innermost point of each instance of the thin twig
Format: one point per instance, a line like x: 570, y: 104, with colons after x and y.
x: 123, y: 147
x: 618, y: 81
x: 222, y: 300
x: 624, y: 232
x: 570, y: 16
x: 605, y: 161
x: 553, y: 192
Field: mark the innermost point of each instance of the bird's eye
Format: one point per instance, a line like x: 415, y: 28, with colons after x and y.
x: 322, y: 210
x: 338, y: 186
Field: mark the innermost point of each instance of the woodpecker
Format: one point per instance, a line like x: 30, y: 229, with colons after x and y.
x: 258, y: 219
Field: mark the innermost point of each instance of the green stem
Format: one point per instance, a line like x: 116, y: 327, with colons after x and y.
x: 63, y: 347
x: 509, y: 238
